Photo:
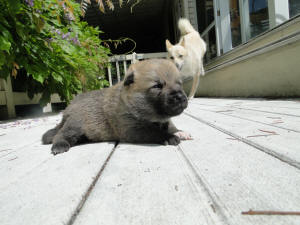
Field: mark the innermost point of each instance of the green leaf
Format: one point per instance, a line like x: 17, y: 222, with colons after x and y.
x: 4, y: 44
x: 32, y: 38
x: 57, y: 77
x: 14, y: 6
x: 21, y: 30
x: 38, y: 77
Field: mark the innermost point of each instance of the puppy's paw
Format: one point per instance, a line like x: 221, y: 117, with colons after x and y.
x: 183, y: 135
x: 172, y: 140
x: 60, y: 147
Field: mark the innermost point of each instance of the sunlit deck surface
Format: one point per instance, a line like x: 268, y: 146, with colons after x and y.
x: 245, y: 155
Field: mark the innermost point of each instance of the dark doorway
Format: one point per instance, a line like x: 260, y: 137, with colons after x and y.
x: 149, y: 24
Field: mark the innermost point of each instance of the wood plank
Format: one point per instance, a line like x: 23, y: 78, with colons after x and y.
x: 109, y: 75
x: 49, y: 191
x: 21, y: 150
x: 147, y: 184
x: 152, y: 55
x: 287, y: 111
x: 2, y: 98
x: 118, y: 71
x: 284, y: 107
x: 282, y: 144
x: 10, y: 104
x: 55, y: 98
x: 287, y: 122
x: 17, y: 134
x: 238, y: 177
x: 21, y: 98
x: 125, y: 67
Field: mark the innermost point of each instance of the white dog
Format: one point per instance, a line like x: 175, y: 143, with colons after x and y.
x: 188, y: 54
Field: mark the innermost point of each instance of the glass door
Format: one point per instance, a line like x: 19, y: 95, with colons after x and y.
x: 222, y: 26
x: 237, y: 21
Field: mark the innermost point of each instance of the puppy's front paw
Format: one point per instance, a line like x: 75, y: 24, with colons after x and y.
x: 172, y: 140
x: 60, y: 147
x: 183, y: 135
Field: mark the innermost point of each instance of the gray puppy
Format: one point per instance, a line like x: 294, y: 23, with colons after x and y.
x: 136, y: 110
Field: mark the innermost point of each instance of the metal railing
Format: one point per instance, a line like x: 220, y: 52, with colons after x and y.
x: 119, y: 64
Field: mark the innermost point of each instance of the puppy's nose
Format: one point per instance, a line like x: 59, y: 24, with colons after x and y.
x: 178, y: 97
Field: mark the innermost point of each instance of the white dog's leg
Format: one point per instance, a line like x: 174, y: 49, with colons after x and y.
x: 202, y: 70
x: 194, y: 86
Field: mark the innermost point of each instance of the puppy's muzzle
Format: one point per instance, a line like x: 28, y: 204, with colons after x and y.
x: 177, y: 102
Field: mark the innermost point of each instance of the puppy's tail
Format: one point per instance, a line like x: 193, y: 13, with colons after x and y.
x: 185, y: 26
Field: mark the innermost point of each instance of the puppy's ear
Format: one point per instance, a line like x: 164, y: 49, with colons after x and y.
x: 168, y: 44
x: 129, y: 79
x: 182, y: 43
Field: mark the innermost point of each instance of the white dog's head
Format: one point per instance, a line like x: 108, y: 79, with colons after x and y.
x: 176, y: 53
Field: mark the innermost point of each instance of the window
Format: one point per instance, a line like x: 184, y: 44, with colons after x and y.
x: 259, y: 17
x: 294, y: 7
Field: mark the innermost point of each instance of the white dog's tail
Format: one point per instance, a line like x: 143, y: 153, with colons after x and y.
x: 185, y: 26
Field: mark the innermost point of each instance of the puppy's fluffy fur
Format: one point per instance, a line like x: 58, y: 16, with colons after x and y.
x: 136, y: 110
x: 188, y: 54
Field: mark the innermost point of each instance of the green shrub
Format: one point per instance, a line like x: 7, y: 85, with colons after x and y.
x: 46, y: 38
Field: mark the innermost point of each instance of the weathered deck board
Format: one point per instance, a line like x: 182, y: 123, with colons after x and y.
x: 225, y: 170
x: 290, y: 123
x: 147, y: 185
x: 282, y: 144
x: 280, y: 107
x: 38, y: 188
x: 14, y: 136
x: 279, y: 103
x: 238, y: 177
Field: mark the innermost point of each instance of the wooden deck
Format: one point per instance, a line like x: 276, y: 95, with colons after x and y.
x: 245, y: 155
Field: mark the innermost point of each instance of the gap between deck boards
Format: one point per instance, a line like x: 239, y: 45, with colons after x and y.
x: 214, y: 205
x: 90, y: 188
x: 243, y: 118
x: 266, y: 150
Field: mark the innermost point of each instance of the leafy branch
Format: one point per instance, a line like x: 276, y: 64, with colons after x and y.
x: 109, y: 4
x: 120, y: 41
x: 47, y: 39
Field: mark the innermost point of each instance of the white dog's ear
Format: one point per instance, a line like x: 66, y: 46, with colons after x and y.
x: 168, y: 44
x: 182, y: 43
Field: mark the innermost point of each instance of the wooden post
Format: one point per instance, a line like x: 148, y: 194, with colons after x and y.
x: 11, y: 111
x: 47, y: 108
x: 133, y: 58
x: 118, y: 70
x: 125, y: 66
x: 109, y: 75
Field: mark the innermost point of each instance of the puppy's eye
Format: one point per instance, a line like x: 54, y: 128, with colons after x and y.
x: 180, y: 56
x: 172, y: 57
x: 158, y: 85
